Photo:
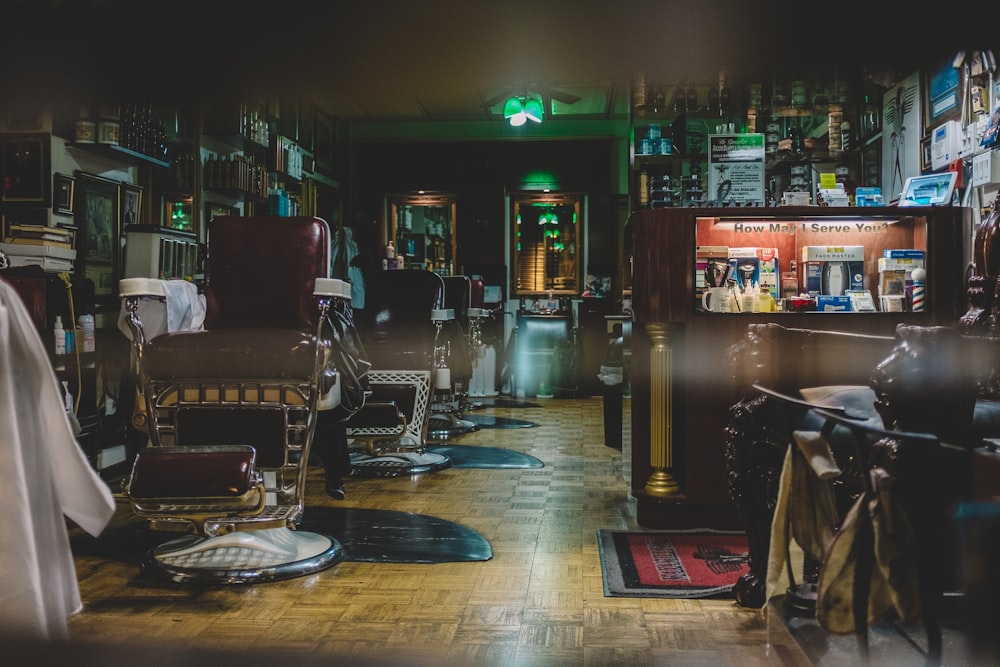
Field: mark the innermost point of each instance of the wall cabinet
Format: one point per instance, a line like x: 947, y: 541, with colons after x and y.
x: 682, y: 384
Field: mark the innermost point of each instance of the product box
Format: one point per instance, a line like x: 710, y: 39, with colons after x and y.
x: 868, y: 196
x: 711, y: 268
x: 756, y: 267
x: 895, y: 271
x: 832, y: 270
x: 833, y: 304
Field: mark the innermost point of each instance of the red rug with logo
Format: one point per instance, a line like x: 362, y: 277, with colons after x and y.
x: 672, y: 564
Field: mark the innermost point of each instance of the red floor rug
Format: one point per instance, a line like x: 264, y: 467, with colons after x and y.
x: 671, y: 564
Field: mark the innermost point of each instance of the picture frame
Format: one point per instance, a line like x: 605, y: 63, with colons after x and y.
x: 942, y: 101
x: 25, y: 167
x: 99, y: 240
x: 216, y: 210
x: 63, y: 187
x: 131, y: 205
x: 925, y: 154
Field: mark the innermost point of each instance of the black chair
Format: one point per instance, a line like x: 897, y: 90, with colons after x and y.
x: 397, y: 329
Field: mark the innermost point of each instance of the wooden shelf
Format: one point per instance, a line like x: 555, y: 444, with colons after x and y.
x: 121, y: 154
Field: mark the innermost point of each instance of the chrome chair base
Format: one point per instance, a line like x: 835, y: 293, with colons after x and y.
x: 444, y: 427
x: 243, y: 557
x: 397, y: 464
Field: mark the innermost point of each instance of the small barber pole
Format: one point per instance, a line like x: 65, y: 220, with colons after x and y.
x: 919, y: 290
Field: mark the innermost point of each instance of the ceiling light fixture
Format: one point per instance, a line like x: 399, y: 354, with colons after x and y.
x: 533, y: 110
x: 519, y: 109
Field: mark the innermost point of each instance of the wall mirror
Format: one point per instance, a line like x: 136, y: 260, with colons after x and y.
x: 546, y: 244
x: 422, y: 228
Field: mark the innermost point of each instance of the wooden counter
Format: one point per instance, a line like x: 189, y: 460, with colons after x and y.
x: 682, y: 384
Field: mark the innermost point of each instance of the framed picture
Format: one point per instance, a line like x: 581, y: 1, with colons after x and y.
x: 98, y: 246
x: 131, y: 205
x: 25, y: 168
x: 62, y: 193
x: 925, y: 154
x: 941, y: 94
x: 215, y: 210
x: 901, y: 135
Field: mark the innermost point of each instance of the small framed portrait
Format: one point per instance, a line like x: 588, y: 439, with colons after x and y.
x: 63, y: 187
x: 925, y: 154
x: 99, y: 251
x: 25, y: 169
x: 131, y: 205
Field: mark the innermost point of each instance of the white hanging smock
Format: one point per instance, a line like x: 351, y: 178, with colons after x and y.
x: 46, y: 478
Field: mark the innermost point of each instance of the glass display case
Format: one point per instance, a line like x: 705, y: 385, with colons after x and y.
x: 682, y: 384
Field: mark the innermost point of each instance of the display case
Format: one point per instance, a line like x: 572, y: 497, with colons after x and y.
x: 681, y: 379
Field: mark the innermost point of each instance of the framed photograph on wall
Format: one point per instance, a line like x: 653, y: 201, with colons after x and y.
x: 901, y: 133
x: 98, y: 246
x: 62, y: 193
x: 925, y: 154
x: 131, y: 205
x: 941, y: 94
x: 25, y: 169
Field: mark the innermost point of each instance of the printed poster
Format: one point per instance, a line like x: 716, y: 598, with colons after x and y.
x: 736, y: 170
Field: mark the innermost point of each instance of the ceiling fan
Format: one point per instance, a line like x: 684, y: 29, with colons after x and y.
x: 547, y: 94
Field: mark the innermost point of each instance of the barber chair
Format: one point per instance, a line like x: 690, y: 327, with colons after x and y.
x: 231, y: 407
x: 396, y: 327
x: 453, y: 362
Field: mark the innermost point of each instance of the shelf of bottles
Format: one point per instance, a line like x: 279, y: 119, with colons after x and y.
x: 803, y: 121
x: 132, y: 132
x: 238, y: 174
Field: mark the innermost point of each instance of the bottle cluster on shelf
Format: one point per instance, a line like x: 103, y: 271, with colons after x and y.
x: 141, y: 131
x: 239, y: 172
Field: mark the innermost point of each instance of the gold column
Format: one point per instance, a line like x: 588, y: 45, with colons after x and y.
x: 661, y: 484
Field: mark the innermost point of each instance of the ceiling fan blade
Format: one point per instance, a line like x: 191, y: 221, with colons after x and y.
x: 498, y: 98
x: 563, y: 97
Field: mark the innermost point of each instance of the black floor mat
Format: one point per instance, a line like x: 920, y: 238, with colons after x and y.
x: 489, y: 421
x: 367, y: 535
x: 477, y: 456
x: 384, y: 536
x: 504, y: 402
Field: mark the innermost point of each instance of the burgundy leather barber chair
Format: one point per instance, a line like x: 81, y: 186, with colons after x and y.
x: 231, y: 407
x: 397, y: 329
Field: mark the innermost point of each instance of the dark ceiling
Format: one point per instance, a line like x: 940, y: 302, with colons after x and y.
x: 445, y: 59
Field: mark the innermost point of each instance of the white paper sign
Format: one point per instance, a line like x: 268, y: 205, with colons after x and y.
x: 736, y: 169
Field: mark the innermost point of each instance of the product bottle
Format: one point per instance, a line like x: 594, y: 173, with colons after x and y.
x: 86, y: 323
x: 60, y: 336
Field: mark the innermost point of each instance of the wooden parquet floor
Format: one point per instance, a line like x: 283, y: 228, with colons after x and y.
x: 538, y: 601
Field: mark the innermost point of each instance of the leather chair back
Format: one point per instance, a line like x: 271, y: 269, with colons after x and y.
x: 249, y: 277
x: 395, y: 324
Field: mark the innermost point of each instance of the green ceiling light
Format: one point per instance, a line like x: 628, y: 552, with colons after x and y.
x: 533, y: 110
x: 513, y: 111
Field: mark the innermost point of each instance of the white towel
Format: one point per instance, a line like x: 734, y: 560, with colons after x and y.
x: 183, y: 310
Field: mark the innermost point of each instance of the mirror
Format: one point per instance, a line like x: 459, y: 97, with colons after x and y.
x: 422, y: 227
x: 546, y: 244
